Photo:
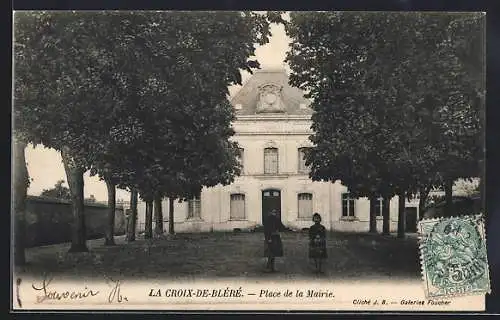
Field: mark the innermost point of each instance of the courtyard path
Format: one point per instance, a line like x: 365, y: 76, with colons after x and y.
x: 230, y: 255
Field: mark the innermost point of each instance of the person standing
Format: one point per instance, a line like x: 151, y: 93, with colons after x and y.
x: 317, y: 242
x: 273, y: 246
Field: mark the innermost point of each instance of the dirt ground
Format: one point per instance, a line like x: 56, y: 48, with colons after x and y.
x: 228, y: 255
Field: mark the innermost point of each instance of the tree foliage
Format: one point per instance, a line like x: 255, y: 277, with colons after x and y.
x: 170, y: 111
x: 59, y: 94
x: 90, y: 199
x: 58, y: 191
x: 396, y: 107
x: 139, y: 98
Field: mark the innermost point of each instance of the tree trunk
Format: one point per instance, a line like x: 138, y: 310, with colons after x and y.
x: 110, y: 228
x: 448, y: 195
x: 74, y: 175
x: 148, y: 227
x: 401, y: 214
x: 133, y: 215
x: 422, y: 201
x: 20, y: 181
x: 481, y: 187
x: 386, y: 228
x: 158, y: 215
x: 373, y: 215
x: 171, y: 215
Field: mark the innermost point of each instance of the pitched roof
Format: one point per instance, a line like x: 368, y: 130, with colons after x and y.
x: 248, y: 96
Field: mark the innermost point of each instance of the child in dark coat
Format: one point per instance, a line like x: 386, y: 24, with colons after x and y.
x: 317, y: 242
x: 273, y: 245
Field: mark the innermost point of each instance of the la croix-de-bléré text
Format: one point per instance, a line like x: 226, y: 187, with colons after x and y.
x: 238, y: 293
x: 228, y: 292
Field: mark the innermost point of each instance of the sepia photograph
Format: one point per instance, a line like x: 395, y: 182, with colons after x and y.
x: 285, y: 160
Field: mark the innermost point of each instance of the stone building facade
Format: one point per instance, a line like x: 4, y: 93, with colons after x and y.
x: 272, y: 127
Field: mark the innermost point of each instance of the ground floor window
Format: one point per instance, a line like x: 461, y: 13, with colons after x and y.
x: 305, y: 205
x: 347, y: 205
x: 237, y: 207
x: 194, y: 208
x: 379, y: 205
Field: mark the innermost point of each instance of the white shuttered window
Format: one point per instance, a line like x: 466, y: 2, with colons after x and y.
x: 302, y: 168
x: 237, y: 210
x: 305, y: 205
x: 271, y: 160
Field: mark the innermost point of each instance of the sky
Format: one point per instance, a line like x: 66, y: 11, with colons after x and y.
x: 45, y: 165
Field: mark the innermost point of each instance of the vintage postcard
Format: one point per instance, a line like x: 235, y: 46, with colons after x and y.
x: 308, y: 161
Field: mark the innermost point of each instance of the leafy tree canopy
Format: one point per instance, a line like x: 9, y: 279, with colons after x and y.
x: 137, y: 97
x: 58, y: 191
x: 394, y: 105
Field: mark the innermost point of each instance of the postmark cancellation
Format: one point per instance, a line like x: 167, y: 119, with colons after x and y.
x: 453, y: 256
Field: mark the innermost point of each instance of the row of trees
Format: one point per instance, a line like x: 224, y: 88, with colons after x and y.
x: 59, y: 191
x: 137, y: 98
x: 140, y: 100
x: 398, y: 100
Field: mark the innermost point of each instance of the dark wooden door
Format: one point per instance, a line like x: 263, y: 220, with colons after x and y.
x: 411, y: 219
x: 271, y: 200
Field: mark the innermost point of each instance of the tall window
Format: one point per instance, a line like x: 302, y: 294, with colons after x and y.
x: 302, y: 161
x: 241, y: 158
x: 194, y: 208
x: 347, y: 205
x: 270, y: 160
x: 237, y: 207
x: 305, y: 205
x: 379, y: 204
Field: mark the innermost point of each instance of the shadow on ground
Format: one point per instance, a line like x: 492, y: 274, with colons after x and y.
x: 228, y: 255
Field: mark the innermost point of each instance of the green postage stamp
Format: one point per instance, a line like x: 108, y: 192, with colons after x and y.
x: 453, y: 256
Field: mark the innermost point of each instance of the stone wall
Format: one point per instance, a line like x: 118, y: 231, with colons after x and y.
x: 49, y: 221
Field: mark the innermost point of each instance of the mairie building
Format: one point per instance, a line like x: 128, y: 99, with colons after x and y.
x: 272, y: 127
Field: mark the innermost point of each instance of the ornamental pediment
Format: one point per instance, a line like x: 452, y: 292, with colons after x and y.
x: 270, y: 99
x: 268, y: 94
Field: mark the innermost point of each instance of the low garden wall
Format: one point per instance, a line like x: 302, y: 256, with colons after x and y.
x: 48, y: 221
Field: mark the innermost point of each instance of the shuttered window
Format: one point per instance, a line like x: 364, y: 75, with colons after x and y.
x: 270, y: 160
x: 302, y: 168
x: 237, y: 207
x: 305, y: 205
x: 241, y: 158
